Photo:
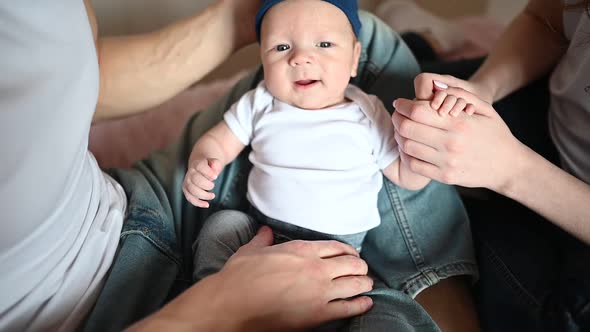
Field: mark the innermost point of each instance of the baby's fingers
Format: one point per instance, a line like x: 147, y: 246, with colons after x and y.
x: 458, y: 107
x: 195, y: 194
x: 447, y: 105
x: 193, y: 200
x: 203, y: 168
x: 437, y: 100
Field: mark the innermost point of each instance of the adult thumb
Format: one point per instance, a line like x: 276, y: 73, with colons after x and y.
x: 263, y: 238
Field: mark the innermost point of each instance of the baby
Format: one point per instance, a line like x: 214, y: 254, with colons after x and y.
x: 319, y: 144
x: 319, y: 150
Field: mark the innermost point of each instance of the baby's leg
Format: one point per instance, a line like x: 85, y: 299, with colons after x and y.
x: 222, y: 235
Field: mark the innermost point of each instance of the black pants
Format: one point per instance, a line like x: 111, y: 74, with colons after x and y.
x: 534, y: 276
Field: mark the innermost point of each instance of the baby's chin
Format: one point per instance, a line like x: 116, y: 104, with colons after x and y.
x: 312, y: 105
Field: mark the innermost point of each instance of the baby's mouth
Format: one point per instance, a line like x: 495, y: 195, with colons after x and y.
x: 305, y: 83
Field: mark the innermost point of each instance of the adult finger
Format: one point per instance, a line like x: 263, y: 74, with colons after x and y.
x: 426, y: 84
x: 346, y: 287
x: 340, y: 309
x: 416, y: 149
x: 263, y: 238
x: 322, y: 249
x: 421, y: 133
x: 346, y: 265
x: 421, y: 167
x: 420, y: 111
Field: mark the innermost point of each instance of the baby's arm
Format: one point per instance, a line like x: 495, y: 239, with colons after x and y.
x: 446, y: 103
x: 399, y: 173
x: 215, y: 149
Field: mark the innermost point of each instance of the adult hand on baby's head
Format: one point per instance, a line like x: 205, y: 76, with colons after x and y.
x: 472, y: 151
x: 198, y: 181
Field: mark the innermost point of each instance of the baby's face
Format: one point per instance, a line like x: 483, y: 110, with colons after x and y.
x: 309, y: 52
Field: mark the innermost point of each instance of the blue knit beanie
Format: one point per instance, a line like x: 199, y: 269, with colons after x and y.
x: 349, y: 7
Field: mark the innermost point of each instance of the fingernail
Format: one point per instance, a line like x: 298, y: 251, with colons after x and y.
x: 394, y: 103
x: 441, y: 85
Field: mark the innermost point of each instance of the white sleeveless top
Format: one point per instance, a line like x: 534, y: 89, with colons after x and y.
x: 60, y: 216
x: 569, y: 114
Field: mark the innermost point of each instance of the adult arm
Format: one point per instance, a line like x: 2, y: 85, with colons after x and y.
x: 528, y: 49
x: 480, y: 151
x: 286, y: 287
x: 144, y: 70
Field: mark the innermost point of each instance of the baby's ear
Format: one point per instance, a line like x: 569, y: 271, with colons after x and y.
x: 356, y: 56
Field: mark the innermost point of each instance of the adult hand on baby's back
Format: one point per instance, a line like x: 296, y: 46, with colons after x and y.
x: 290, y: 286
x: 469, y: 150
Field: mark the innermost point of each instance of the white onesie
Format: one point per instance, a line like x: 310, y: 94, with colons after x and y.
x: 317, y: 169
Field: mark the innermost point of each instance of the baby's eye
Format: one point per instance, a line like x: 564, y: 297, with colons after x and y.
x: 325, y: 44
x: 282, y: 47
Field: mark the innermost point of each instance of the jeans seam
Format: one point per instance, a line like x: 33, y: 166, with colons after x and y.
x: 166, y: 251
x: 398, y: 210
x: 432, y: 276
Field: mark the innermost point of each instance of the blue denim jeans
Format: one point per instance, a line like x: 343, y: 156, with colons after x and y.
x: 227, y: 230
x: 425, y: 233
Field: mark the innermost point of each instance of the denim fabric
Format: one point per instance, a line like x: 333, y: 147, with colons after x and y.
x: 226, y: 231
x: 424, y: 236
x: 148, y: 263
x: 284, y: 232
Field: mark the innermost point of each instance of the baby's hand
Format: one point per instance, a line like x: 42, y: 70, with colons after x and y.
x: 448, y: 104
x: 198, y: 181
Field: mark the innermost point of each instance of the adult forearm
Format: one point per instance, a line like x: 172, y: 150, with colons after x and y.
x: 529, y: 48
x: 551, y: 192
x: 141, y: 71
x: 200, y: 308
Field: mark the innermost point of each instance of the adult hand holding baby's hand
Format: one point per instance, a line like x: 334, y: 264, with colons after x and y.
x: 198, y: 181
x: 426, y: 85
x: 472, y: 151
